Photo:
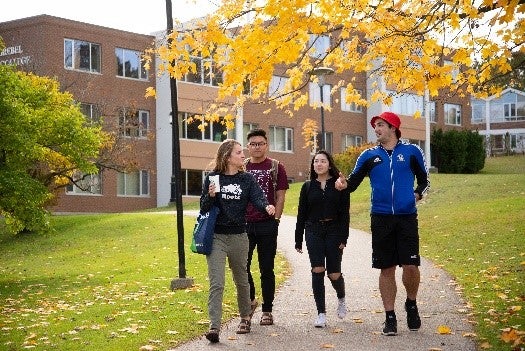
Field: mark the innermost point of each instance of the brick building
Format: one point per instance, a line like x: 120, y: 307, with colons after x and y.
x: 101, y: 67
x: 65, y: 49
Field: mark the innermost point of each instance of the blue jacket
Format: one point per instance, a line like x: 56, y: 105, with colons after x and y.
x: 392, y: 177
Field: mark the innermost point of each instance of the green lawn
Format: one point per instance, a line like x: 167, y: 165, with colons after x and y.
x: 101, y: 282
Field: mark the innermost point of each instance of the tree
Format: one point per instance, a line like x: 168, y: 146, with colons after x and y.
x: 45, y: 141
x: 406, y: 43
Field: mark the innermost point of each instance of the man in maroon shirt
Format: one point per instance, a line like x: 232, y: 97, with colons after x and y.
x: 263, y: 229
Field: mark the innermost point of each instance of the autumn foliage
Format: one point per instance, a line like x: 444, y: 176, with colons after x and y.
x: 410, y: 45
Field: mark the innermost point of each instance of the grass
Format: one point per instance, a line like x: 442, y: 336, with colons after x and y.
x: 101, y: 282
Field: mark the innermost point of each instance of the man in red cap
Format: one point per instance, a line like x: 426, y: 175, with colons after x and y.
x: 392, y: 166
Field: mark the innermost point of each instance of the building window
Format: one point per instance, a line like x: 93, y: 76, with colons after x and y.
x: 315, y: 95
x: 82, y: 55
x: 328, y: 141
x: 192, y: 182
x: 478, y: 111
x: 277, y: 85
x: 281, y: 139
x: 86, y: 184
x: 129, y: 64
x: 509, y: 111
x: 192, y: 126
x: 350, y: 107
x: 134, y: 123
x: 206, y: 72
x: 246, y: 127
x: 91, y: 112
x: 133, y: 183
x: 453, y: 114
x: 319, y: 45
x: 349, y: 140
x: 406, y: 104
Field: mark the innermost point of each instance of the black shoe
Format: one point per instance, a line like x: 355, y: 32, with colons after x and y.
x: 390, y: 327
x: 213, y: 335
x: 413, y: 320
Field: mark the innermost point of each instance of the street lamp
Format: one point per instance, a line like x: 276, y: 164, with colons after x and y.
x: 176, y: 192
x: 321, y: 73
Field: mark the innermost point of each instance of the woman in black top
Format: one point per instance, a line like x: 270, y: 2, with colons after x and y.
x: 323, y: 216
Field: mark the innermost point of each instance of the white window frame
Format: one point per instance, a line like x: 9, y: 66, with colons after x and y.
x: 92, y: 183
x: 319, y: 45
x: 91, y: 111
x: 350, y: 107
x: 348, y: 140
x: 406, y: 104
x: 143, y: 183
x: 452, y: 114
x: 210, y: 132
x: 206, y: 73
x: 314, y: 95
x: 280, y: 139
x: 134, y: 60
x: 76, y: 59
x: 134, y: 126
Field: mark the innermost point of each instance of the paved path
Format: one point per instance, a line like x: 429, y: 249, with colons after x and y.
x: 294, y: 309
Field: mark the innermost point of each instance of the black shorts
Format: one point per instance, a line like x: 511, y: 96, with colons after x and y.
x: 395, y: 240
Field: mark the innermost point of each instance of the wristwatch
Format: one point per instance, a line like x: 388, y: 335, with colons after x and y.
x: 278, y: 220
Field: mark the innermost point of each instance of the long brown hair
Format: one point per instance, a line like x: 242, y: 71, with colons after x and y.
x: 223, y: 153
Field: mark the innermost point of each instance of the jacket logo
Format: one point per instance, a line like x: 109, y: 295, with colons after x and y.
x: 377, y: 159
x: 400, y: 158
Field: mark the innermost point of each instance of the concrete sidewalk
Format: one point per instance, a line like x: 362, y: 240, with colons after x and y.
x: 294, y: 309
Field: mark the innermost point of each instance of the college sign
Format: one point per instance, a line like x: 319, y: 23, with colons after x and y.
x: 18, y: 60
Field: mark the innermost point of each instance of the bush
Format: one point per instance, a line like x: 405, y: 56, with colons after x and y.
x: 457, y: 151
x: 346, y: 160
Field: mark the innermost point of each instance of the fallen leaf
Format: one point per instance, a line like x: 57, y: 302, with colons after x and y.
x: 485, y: 345
x: 444, y: 329
x: 327, y: 346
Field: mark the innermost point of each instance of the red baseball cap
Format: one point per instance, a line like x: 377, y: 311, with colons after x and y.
x: 391, y: 118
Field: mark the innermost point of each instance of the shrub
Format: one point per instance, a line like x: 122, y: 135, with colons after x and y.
x: 346, y: 160
x: 457, y: 151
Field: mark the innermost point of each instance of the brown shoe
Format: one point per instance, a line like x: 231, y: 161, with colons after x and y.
x: 266, y: 319
x: 244, y: 327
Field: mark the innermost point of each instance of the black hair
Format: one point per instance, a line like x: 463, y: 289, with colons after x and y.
x: 257, y: 132
x: 332, y: 168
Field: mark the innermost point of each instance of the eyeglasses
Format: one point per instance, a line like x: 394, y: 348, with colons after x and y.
x: 254, y: 145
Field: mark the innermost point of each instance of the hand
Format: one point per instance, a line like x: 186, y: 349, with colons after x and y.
x: 270, y: 209
x: 341, y: 246
x: 340, y: 183
x: 299, y: 250
x: 211, y: 189
x: 417, y: 197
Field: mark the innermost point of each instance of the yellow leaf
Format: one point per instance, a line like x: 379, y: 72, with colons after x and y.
x: 327, y: 346
x: 444, y: 329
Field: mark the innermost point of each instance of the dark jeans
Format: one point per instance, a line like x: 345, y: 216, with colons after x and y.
x: 263, y: 236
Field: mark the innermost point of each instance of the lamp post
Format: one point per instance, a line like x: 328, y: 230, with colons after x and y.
x: 176, y: 194
x: 321, y: 73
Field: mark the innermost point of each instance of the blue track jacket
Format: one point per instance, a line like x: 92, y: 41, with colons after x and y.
x: 392, y: 177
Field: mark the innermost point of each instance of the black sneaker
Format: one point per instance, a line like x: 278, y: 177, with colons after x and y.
x: 213, y: 335
x: 413, y: 320
x: 390, y: 327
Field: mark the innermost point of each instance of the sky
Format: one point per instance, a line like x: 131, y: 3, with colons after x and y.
x: 143, y: 17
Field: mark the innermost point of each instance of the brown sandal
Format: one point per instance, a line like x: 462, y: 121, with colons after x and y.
x: 266, y: 319
x: 244, y: 327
